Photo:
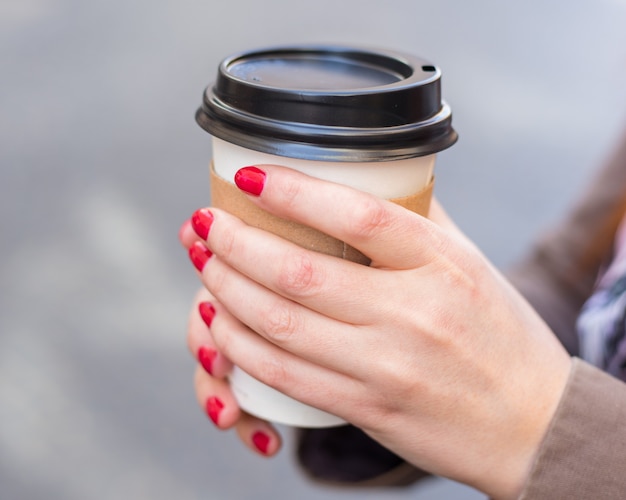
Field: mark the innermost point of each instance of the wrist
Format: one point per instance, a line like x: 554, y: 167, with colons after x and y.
x: 533, y: 424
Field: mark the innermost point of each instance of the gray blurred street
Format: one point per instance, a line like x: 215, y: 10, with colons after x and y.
x: 101, y: 161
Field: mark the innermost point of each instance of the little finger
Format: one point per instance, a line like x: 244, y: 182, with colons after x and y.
x: 216, y: 399
x: 258, y: 435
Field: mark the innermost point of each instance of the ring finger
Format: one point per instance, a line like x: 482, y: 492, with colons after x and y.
x: 215, y: 398
x: 285, y: 323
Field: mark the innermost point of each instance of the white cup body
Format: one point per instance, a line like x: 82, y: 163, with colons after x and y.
x: 389, y: 179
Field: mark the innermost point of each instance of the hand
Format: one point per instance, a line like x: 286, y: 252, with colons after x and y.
x: 428, y: 350
x: 211, y: 386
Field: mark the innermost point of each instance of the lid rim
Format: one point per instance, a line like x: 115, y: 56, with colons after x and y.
x: 248, y: 123
x: 338, y: 148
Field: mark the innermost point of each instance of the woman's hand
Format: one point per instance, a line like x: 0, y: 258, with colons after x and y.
x: 211, y: 387
x: 428, y: 350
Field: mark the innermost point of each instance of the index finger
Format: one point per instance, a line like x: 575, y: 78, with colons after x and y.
x: 390, y: 235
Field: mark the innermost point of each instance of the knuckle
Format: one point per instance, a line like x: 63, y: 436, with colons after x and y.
x: 369, y: 218
x: 226, y: 243
x: 298, y: 275
x: 462, y: 278
x: 215, y: 281
x: 223, y: 341
x: 198, y: 379
x: 290, y: 190
x: 281, y: 322
x: 273, y: 371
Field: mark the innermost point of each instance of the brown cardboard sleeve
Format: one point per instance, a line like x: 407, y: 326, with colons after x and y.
x: 227, y: 196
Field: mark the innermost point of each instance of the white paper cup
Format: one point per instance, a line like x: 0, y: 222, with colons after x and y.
x: 373, y: 120
x: 394, y: 179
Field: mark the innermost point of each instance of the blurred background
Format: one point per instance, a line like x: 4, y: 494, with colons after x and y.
x: 101, y: 160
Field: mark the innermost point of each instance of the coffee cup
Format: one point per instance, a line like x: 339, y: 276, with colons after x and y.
x: 367, y: 118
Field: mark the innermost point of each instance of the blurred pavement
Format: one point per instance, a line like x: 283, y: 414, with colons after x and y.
x: 101, y: 160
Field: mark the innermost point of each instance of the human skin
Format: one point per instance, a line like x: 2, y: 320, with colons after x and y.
x: 429, y: 350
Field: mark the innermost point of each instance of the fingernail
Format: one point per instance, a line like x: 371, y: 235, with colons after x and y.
x: 206, y: 356
x: 201, y: 221
x: 250, y: 180
x: 207, y: 312
x: 213, y: 409
x: 199, y: 254
x: 261, y: 441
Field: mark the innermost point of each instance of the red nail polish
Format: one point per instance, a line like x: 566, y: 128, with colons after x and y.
x: 206, y: 356
x: 213, y: 409
x: 199, y: 254
x: 201, y: 221
x: 207, y: 312
x: 261, y: 441
x: 250, y: 180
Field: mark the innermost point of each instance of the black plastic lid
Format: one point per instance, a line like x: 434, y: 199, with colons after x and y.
x: 329, y: 103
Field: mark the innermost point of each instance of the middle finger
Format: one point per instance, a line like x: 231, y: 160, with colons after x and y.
x: 319, y: 282
x: 308, y: 334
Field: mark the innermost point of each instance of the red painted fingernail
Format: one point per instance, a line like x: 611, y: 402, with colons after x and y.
x: 206, y: 356
x: 201, y: 221
x: 199, y: 254
x: 207, y: 312
x: 250, y: 180
x: 213, y: 409
x: 261, y: 441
